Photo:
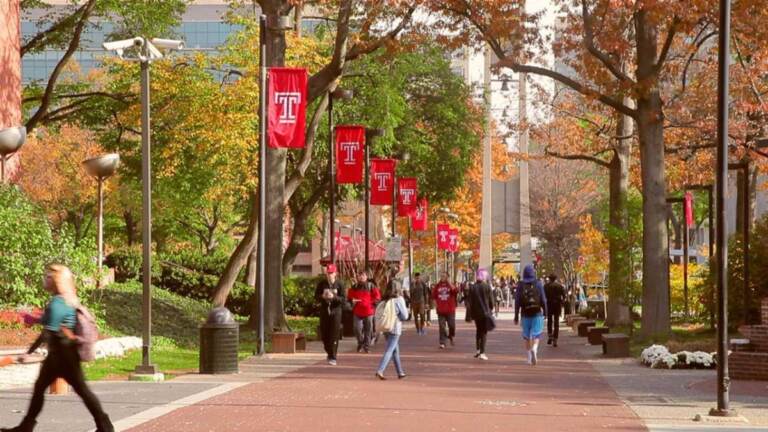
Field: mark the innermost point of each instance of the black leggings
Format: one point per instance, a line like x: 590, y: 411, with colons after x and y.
x: 481, y: 335
x: 63, y: 361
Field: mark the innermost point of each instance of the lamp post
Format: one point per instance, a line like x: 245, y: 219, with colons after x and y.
x: 146, y: 51
x: 685, y: 258
x: 451, y: 264
x: 440, y: 211
x: 102, y: 167
x: 723, y: 59
x: 11, y: 140
x: 337, y: 94
x: 744, y: 168
x: 710, y: 202
x: 276, y: 23
x: 370, y: 134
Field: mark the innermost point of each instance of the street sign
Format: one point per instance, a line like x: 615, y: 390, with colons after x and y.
x: 394, y: 249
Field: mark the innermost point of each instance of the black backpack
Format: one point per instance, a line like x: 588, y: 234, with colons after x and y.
x: 530, y: 300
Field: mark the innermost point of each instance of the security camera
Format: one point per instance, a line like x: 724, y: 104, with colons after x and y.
x: 168, y: 44
x: 124, y: 44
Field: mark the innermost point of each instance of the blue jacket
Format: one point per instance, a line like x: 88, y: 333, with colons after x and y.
x: 529, y: 276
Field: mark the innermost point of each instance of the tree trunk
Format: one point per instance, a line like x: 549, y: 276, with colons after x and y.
x: 618, y: 246
x: 274, y: 317
x: 650, y: 122
x: 130, y: 227
x: 250, y: 270
x: 239, y: 256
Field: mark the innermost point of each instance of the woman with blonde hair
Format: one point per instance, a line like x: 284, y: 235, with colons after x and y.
x: 63, y: 360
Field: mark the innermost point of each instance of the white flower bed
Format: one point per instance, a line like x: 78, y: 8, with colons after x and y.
x: 659, y: 357
x: 116, y: 347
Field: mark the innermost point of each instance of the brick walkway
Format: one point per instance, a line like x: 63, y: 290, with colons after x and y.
x: 445, y: 391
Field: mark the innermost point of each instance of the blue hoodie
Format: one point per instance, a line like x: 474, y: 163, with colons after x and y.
x: 529, y: 276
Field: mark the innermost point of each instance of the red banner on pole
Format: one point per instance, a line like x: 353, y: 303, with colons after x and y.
x: 407, y: 190
x: 443, y: 239
x: 689, y: 209
x: 453, y: 240
x: 286, y: 107
x: 350, y: 154
x: 419, y: 218
x: 382, y: 181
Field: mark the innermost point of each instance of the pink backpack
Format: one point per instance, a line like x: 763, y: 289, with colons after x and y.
x: 86, y: 334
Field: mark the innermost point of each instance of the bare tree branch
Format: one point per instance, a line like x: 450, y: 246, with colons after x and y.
x: 74, y: 44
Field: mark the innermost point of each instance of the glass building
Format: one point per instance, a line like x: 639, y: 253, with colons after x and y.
x: 202, y: 28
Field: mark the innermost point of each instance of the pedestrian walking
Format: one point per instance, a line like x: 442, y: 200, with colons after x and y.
x: 555, y: 294
x: 332, y: 297
x: 419, y: 302
x: 481, y: 306
x: 465, y: 288
x: 531, y: 300
x: 364, y: 296
x: 498, y: 298
x: 63, y: 361
x: 444, y: 295
x: 390, y: 315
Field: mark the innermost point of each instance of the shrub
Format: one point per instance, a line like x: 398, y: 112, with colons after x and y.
x: 28, y: 243
x: 299, y: 295
x: 127, y: 263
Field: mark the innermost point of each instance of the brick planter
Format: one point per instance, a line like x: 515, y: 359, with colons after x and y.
x: 595, y: 335
x: 749, y: 359
x: 583, y: 326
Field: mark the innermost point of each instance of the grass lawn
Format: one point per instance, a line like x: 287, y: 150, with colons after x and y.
x: 175, y: 324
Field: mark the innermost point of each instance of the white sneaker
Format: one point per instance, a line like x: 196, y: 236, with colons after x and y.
x: 477, y: 354
x: 332, y: 362
x: 483, y: 357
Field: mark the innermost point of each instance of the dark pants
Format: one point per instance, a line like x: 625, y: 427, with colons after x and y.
x: 447, y: 324
x: 481, y: 334
x: 553, y: 322
x: 63, y: 361
x: 330, y: 327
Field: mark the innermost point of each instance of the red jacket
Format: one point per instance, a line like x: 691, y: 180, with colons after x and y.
x: 445, y: 297
x: 368, y: 299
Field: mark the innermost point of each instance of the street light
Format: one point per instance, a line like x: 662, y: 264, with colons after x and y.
x: 275, y: 23
x: 370, y: 135
x: 723, y: 59
x: 102, y: 167
x: 11, y: 140
x: 337, y: 94
x: 146, y: 51
x: 404, y: 156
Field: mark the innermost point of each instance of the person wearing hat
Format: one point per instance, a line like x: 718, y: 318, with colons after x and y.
x: 555, y: 293
x: 332, y: 297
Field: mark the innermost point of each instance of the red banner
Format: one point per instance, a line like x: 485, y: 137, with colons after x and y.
x: 350, y: 154
x: 407, y: 190
x: 453, y: 240
x: 443, y: 239
x: 419, y: 218
x: 382, y: 181
x: 688, y: 205
x: 286, y: 107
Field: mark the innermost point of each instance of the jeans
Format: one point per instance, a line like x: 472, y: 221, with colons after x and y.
x: 553, y: 323
x: 391, y: 352
x: 449, y: 321
x: 63, y: 361
x: 363, y: 331
x: 330, y: 328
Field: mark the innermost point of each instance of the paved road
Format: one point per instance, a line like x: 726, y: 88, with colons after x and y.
x: 445, y: 391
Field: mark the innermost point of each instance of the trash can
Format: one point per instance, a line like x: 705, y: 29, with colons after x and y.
x: 219, y: 338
